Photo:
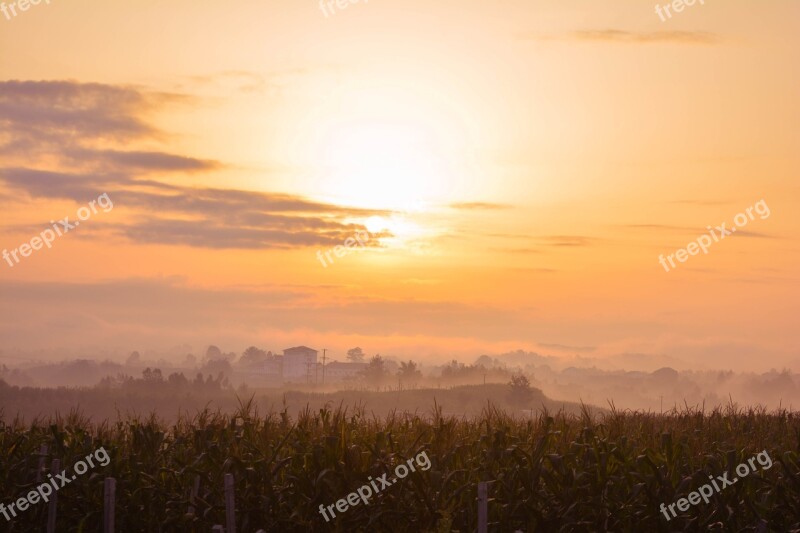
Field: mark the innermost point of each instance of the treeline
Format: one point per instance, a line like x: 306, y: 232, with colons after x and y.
x: 153, y: 378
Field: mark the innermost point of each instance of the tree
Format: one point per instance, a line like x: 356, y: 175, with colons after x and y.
x: 253, y: 356
x: 134, y: 359
x: 152, y: 376
x: 177, y: 380
x: 408, y: 372
x: 356, y: 355
x: 213, y: 353
x: 485, y: 361
x: 520, y: 387
x: 376, y: 370
x: 218, y: 366
x: 453, y: 369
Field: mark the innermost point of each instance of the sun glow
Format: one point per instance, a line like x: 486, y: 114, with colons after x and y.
x: 402, y: 229
x: 384, y: 165
x: 384, y: 146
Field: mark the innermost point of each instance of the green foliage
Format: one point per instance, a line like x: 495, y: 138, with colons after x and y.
x: 606, y: 472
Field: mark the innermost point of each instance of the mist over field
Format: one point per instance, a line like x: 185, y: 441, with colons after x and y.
x: 105, y: 389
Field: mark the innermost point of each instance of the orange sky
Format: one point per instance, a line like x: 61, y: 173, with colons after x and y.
x: 520, y: 166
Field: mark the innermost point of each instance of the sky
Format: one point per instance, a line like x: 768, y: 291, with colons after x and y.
x: 517, y: 172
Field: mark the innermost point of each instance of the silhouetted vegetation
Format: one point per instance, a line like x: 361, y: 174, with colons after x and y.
x: 555, y: 472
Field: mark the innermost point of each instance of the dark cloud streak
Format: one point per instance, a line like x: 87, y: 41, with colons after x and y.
x: 74, y: 126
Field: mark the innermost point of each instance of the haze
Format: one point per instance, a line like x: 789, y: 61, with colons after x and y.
x: 519, y: 166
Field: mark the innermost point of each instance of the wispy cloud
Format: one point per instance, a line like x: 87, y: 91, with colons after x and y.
x: 690, y: 230
x: 479, y: 206
x: 68, y: 109
x: 67, y: 124
x: 539, y: 244
x: 658, y: 227
x: 630, y: 37
x: 753, y: 234
x: 518, y: 250
x: 567, y: 240
x: 620, y: 36
x: 700, y: 202
x: 568, y: 348
x: 142, y: 161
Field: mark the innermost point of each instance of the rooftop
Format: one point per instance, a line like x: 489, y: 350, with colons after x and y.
x: 299, y: 349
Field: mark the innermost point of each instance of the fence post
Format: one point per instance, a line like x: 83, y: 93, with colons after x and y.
x: 109, y: 499
x: 42, y: 456
x: 483, y: 507
x: 51, y: 508
x: 193, y: 495
x: 230, y: 505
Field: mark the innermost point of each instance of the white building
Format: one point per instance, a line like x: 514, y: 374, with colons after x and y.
x: 299, y: 365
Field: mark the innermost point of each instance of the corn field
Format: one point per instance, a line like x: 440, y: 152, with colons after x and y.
x: 554, y: 472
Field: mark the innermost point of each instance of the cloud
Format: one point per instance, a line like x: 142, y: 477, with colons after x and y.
x: 699, y: 202
x: 421, y: 281
x: 569, y: 348
x: 631, y: 37
x: 567, y: 240
x: 518, y: 250
x: 47, y: 184
x: 542, y: 242
x: 753, y: 234
x: 218, y: 218
x: 66, y: 124
x: 687, y: 230
x: 479, y: 205
x: 246, y: 81
x: 659, y: 227
x: 680, y: 37
x: 142, y: 161
x: 209, y: 234
x: 76, y: 110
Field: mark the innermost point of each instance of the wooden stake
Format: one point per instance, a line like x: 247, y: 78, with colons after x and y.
x: 51, y: 508
x: 193, y: 495
x: 483, y: 507
x: 230, y: 505
x: 42, y: 456
x: 109, y: 499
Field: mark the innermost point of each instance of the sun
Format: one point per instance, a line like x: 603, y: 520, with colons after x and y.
x: 384, y: 165
x: 384, y: 146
